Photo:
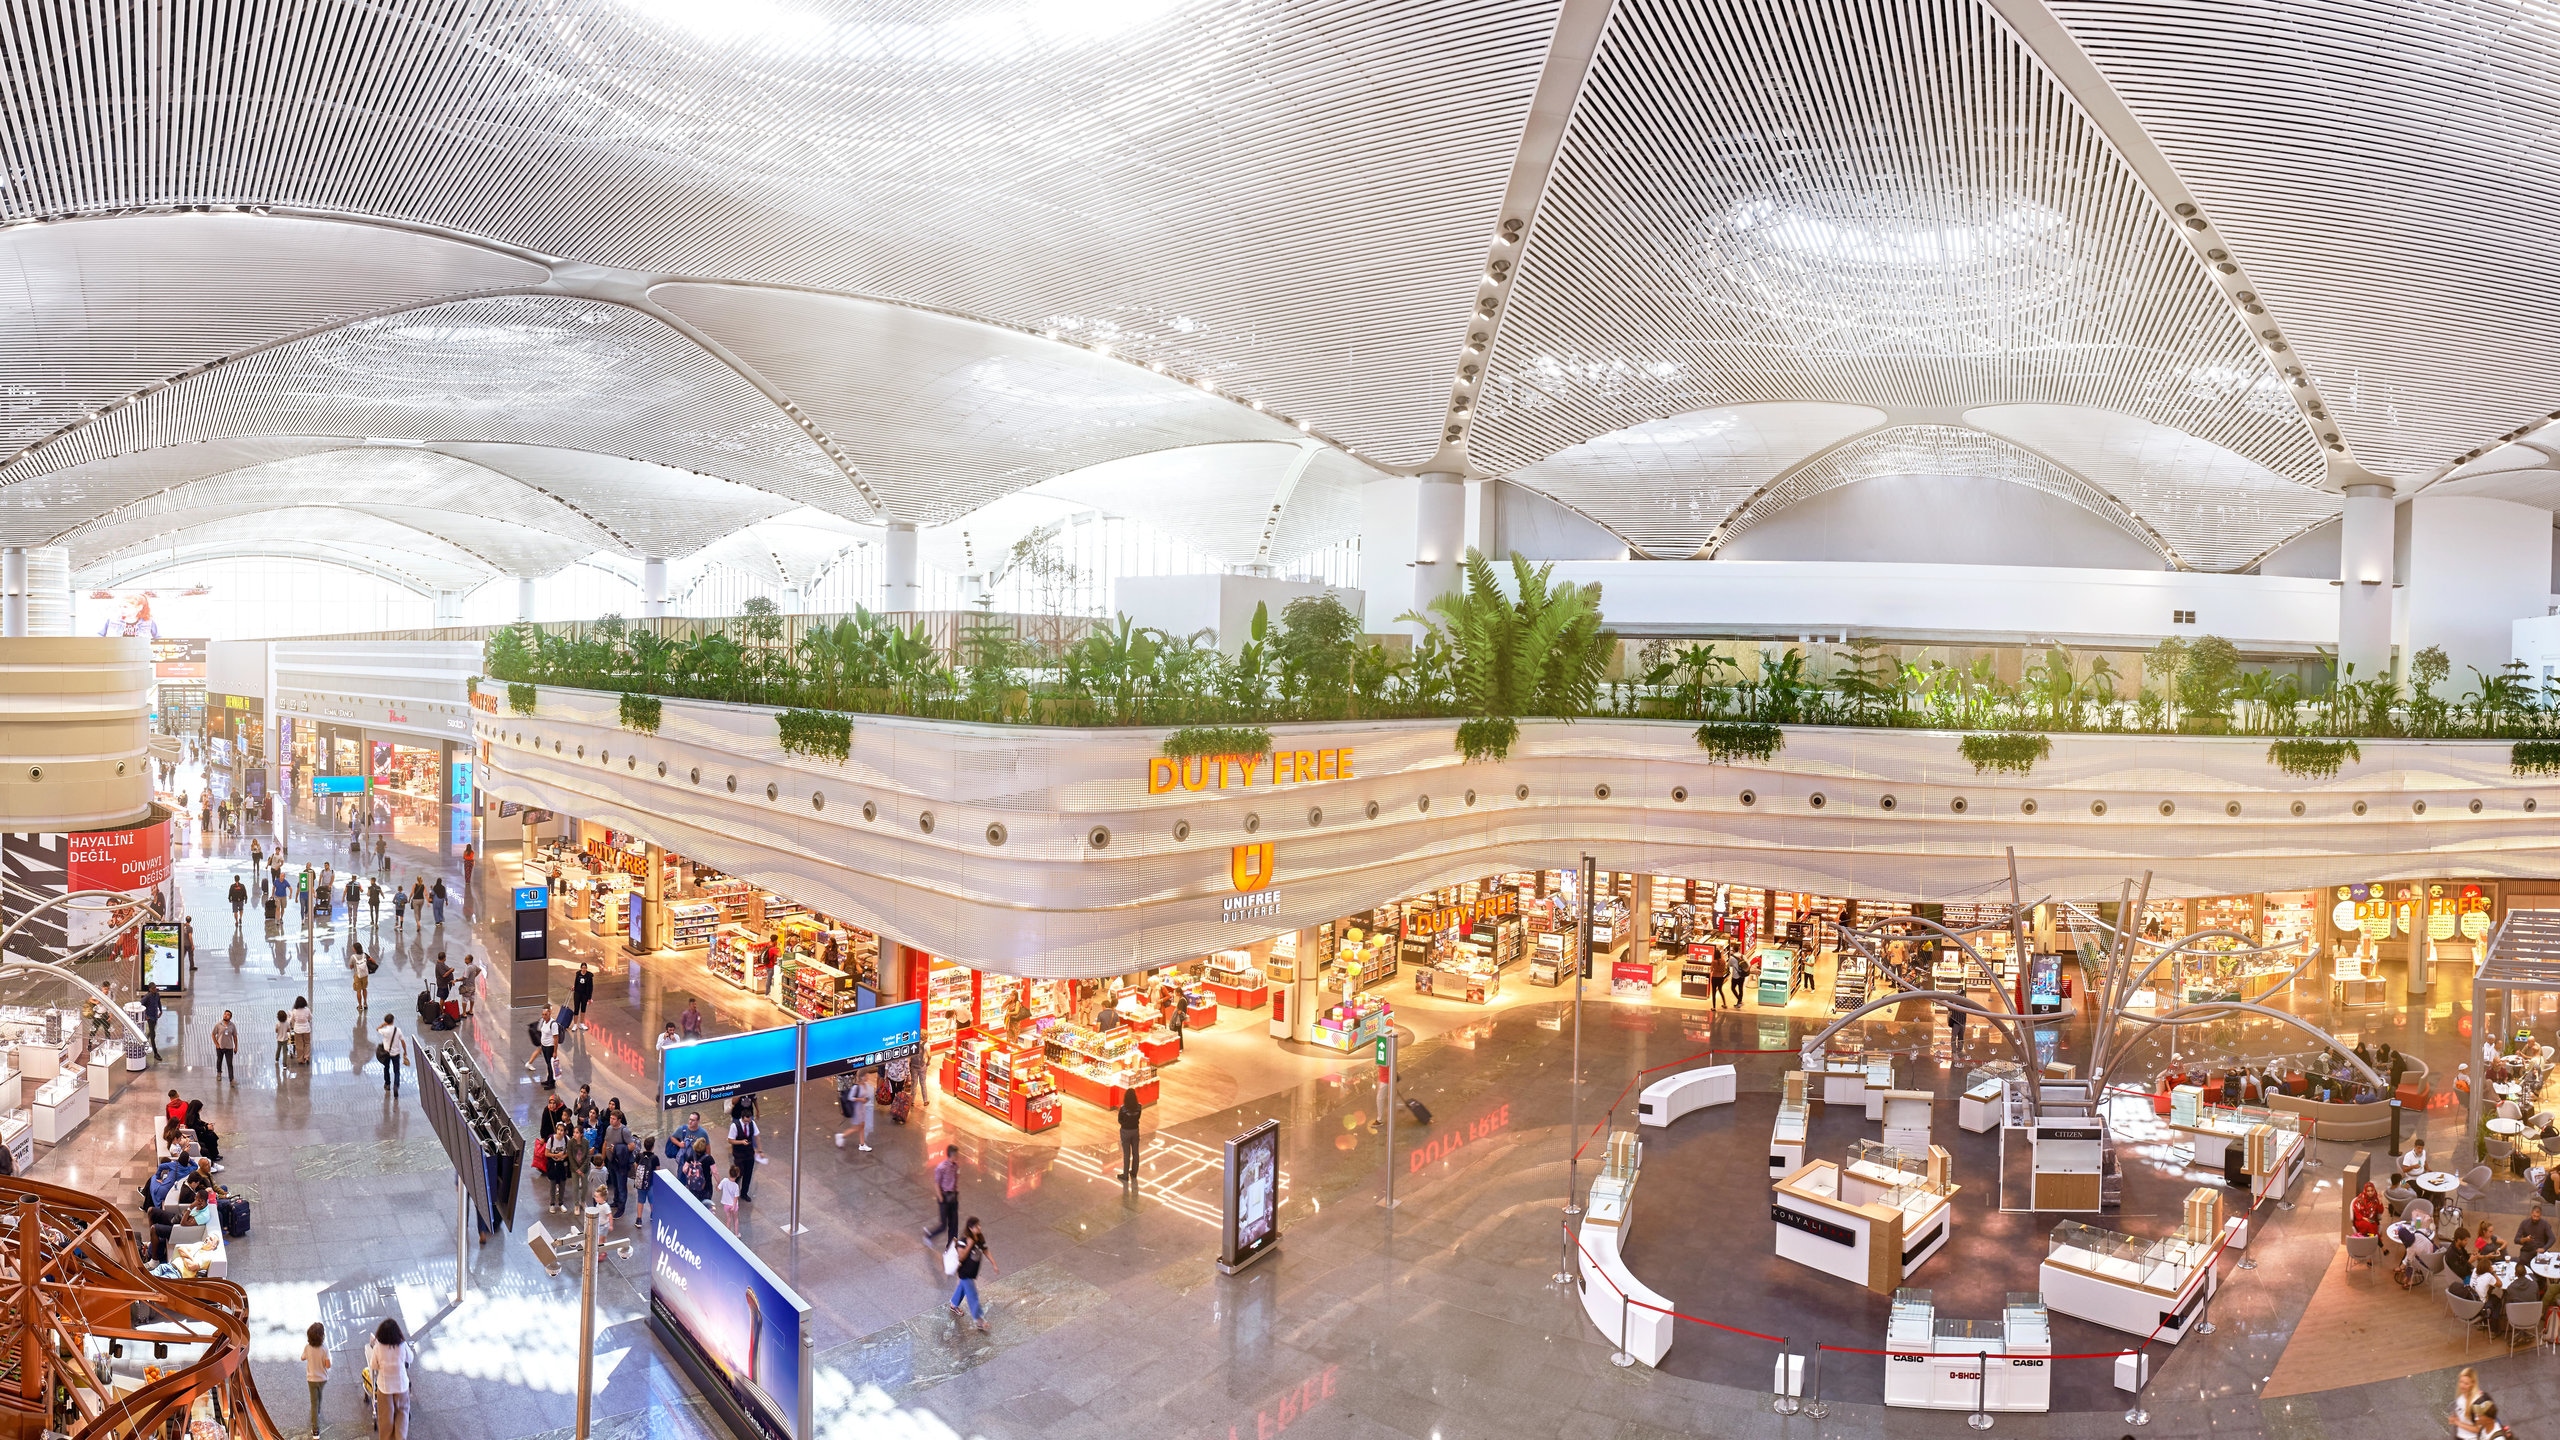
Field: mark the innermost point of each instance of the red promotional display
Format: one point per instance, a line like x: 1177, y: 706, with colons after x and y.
x: 130, y: 859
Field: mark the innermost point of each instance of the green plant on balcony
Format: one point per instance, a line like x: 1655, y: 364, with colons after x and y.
x: 520, y: 698
x: 819, y: 734
x: 1487, y: 737
x: 2312, y: 759
x: 2011, y: 753
x: 2535, y: 757
x: 1729, y: 741
x: 1197, y: 740
x: 641, y: 712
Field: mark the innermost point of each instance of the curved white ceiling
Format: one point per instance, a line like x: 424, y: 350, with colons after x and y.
x: 1948, y: 450
x: 95, y: 311
x: 2214, y: 509
x: 2386, y: 168
x: 944, y: 253
x: 942, y: 415
x: 1666, y: 485
x: 312, y: 532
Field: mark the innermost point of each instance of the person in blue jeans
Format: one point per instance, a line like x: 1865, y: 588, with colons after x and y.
x: 973, y: 1253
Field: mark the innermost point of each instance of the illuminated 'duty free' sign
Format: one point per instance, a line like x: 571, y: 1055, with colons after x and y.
x: 1274, y: 767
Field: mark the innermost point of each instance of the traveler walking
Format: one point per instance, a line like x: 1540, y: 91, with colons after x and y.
x: 581, y: 991
x: 690, y: 1022
x: 391, y: 1048
x: 239, y: 899
x: 946, y: 1190
x: 853, y: 1100
x: 226, y: 1044
x: 301, y: 1031
x: 151, y: 1017
x: 972, y: 1245
x: 399, y: 908
x: 360, y: 971
x: 386, y: 1364
x: 546, y: 1039
x: 315, y: 1368
x: 284, y: 1040
x: 435, y: 898
x: 742, y: 1152
x: 1130, y: 1112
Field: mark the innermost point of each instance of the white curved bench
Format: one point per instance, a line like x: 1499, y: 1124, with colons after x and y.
x: 1668, y: 1099
x: 1603, y: 1279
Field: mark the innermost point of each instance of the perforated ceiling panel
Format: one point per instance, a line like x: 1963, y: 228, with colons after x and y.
x: 1882, y: 201
x: 1666, y: 485
x: 409, y: 567
x: 942, y: 415
x: 2386, y: 170
x: 432, y: 562
x: 657, y: 510
x: 1291, y: 195
x: 528, y: 368
x: 1218, y: 499
x: 91, y: 313
x: 1928, y: 450
x: 34, y: 510
x: 2215, y: 510
x: 420, y: 480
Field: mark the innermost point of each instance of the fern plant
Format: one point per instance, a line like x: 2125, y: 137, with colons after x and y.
x: 819, y: 734
x: 2011, y: 753
x: 520, y: 698
x: 641, y: 712
x: 1195, y: 740
x: 1487, y: 737
x: 2312, y: 759
x: 1727, y: 741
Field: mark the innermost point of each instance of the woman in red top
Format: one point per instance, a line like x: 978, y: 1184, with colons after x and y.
x: 2367, y: 1215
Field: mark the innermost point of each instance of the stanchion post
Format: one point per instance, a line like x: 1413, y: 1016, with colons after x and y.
x: 1564, y: 1273
x: 2310, y: 1143
x: 1622, y: 1359
x: 461, y: 1237
x: 2141, y: 1377
x: 1980, y: 1419
x: 1815, y: 1407
x: 1788, y: 1383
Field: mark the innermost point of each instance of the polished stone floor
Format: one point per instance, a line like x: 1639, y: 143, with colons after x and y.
x: 1436, y: 1319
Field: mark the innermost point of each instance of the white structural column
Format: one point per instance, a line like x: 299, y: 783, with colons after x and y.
x: 653, y: 587
x: 524, y: 597
x: 13, y: 591
x: 1439, y: 537
x: 2364, y: 581
x: 1484, y: 519
x: 900, y: 588
x: 2476, y: 567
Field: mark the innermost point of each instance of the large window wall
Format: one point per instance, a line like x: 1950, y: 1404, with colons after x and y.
x: 255, y: 599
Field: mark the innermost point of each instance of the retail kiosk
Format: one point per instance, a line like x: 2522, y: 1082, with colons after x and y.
x: 1942, y: 1364
x: 1870, y: 1221
x: 1787, y: 1135
x: 2141, y: 1287
x: 2070, y: 1163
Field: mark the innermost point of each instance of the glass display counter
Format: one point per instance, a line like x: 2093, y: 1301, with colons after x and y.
x: 2125, y: 1282
x: 1786, y: 1139
x: 1936, y: 1362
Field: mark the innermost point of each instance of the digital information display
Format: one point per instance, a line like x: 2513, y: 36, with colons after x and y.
x: 727, y: 1318
x: 729, y: 1065
x: 533, y: 923
x: 842, y: 1043
x: 338, y: 784
x: 160, y: 965
x: 1250, y: 1227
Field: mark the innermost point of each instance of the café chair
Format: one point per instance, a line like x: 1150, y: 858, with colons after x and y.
x: 2361, y: 1249
x: 2499, y: 1149
x: 2466, y: 1313
x: 2524, y: 1323
x: 2419, y: 1209
x: 2475, y: 1183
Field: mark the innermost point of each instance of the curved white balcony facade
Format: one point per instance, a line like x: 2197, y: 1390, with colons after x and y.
x: 1045, y: 899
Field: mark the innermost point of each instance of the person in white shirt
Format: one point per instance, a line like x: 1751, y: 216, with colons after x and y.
x: 315, y: 1369
x: 546, y: 1036
x: 386, y: 1361
x: 2415, y: 1159
x: 392, y: 1049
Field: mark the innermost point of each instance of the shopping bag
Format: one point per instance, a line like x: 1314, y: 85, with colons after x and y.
x: 951, y: 1258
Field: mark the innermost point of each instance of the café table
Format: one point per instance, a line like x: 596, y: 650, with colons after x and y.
x: 2501, y: 1126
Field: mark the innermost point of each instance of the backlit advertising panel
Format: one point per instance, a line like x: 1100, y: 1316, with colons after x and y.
x: 131, y: 859
x: 728, y: 1319
x: 1250, y: 1226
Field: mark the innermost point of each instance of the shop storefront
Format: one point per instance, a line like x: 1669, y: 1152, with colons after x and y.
x: 235, y: 727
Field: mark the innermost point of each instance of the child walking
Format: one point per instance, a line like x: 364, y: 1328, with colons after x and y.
x: 315, y: 1368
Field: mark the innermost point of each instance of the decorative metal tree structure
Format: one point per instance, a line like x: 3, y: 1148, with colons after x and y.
x: 73, y: 1273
